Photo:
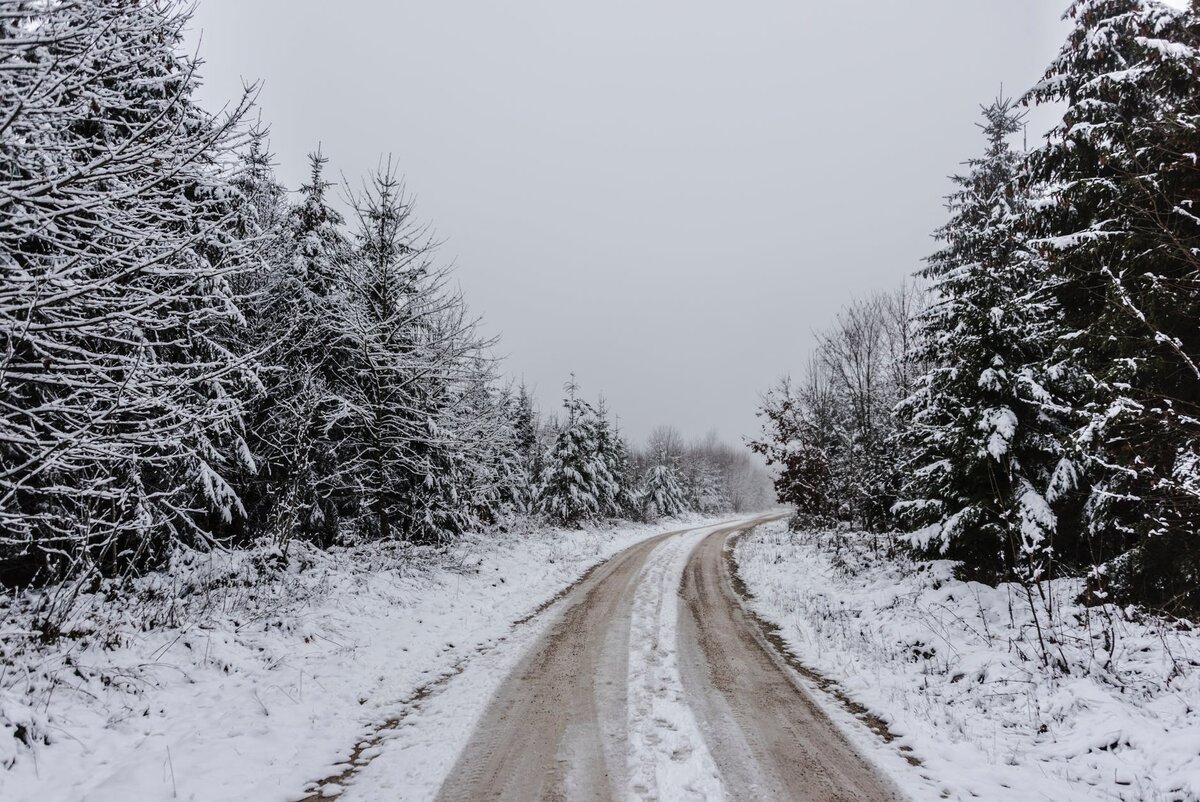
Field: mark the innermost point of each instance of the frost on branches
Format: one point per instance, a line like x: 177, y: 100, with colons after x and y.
x: 1120, y: 236
x: 661, y: 494
x: 421, y: 423
x: 190, y: 357
x: 122, y: 400
x: 1055, y: 426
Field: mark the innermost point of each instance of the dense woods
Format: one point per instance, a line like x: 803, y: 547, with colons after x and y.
x: 191, y: 355
x: 1032, y: 412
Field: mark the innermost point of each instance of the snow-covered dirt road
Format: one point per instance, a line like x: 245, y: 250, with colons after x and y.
x: 651, y: 682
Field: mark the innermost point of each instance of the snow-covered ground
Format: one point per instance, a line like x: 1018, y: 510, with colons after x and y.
x: 955, y: 670
x: 209, y: 684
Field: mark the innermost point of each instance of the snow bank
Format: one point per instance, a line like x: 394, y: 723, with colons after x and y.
x: 248, y: 675
x: 955, y: 669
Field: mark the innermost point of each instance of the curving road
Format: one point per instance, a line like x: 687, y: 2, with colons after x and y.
x: 654, y: 683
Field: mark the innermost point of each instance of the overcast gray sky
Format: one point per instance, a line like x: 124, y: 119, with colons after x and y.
x: 666, y: 197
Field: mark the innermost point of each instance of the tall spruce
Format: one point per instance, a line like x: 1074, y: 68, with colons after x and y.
x: 626, y: 502
x: 121, y: 416
x: 615, y: 502
x: 986, y: 469
x: 528, y: 449
x: 418, y: 417
x: 385, y: 319
x: 1121, y: 238
x: 293, y: 428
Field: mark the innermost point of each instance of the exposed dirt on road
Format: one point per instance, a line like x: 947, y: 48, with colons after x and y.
x: 767, y: 736
x: 558, y: 730
x: 555, y: 729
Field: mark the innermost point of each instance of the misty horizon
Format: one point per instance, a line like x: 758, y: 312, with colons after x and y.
x: 670, y: 223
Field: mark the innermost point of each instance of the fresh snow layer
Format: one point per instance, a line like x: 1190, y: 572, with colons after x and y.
x: 954, y: 670
x: 667, y: 756
x: 211, y: 684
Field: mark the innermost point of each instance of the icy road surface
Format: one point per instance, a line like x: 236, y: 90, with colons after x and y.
x: 646, y: 681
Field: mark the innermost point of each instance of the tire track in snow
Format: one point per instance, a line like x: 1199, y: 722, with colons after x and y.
x: 410, y: 755
x: 646, y: 683
x: 555, y: 728
x: 770, y: 738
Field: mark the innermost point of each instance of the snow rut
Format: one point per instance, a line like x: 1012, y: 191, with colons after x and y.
x: 667, y: 756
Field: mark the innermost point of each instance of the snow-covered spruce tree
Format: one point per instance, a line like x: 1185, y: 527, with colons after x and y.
x: 661, y: 492
x: 293, y: 423
x: 576, y: 484
x: 528, y: 448
x: 618, y: 501
x: 985, y: 469
x: 1121, y: 237
x: 623, y: 474
x: 502, y: 486
x: 409, y: 448
x: 704, y: 492
x: 120, y: 398
x: 471, y: 470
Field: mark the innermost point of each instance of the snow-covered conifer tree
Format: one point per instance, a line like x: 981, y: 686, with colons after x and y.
x: 415, y: 351
x: 661, y: 492
x: 122, y: 398
x: 529, y: 450
x: 985, y: 469
x: 616, y: 501
x: 704, y: 492
x: 293, y: 427
x: 497, y: 482
x: 1120, y: 237
x: 623, y: 473
x: 576, y: 481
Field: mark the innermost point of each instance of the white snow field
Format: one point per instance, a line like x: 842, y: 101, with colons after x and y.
x: 215, y: 686
x: 954, y: 670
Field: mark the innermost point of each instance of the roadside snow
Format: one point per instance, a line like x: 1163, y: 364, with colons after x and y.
x: 210, y: 684
x: 667, y: 755
x: 954, y: 669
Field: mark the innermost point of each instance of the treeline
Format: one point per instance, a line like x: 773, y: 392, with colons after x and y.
x: 583, y: 470
x: 1035, y: 410
x: 710, y: 474
x: 192, y: 355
